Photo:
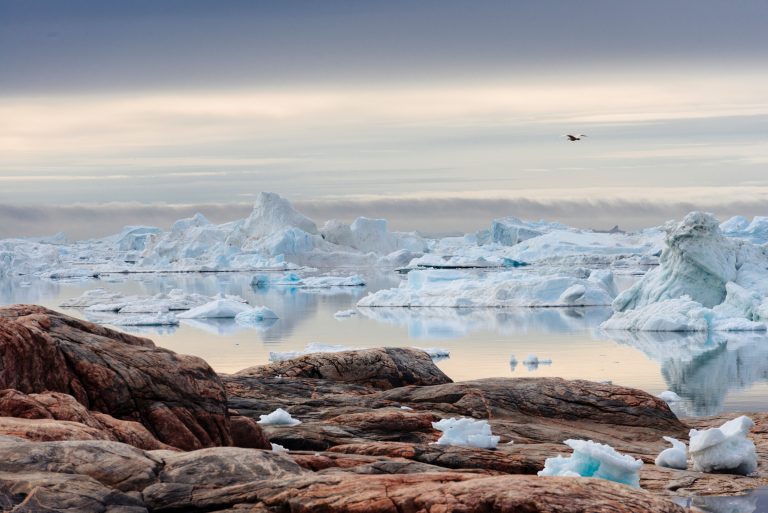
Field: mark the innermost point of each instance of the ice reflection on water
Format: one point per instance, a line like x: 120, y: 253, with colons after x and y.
x: 712, y: 373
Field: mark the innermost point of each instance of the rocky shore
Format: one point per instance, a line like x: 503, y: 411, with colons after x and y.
x: 92, y: 419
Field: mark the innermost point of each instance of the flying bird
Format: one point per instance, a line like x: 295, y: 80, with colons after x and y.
x: 574, y: 137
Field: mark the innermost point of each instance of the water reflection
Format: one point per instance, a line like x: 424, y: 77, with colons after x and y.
x: 754, y: 502
x: 703, y: 368
x: 448, y: 323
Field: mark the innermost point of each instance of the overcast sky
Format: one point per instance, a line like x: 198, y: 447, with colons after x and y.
x: 144, y: 110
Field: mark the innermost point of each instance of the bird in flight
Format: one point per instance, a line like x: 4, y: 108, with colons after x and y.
x: 574, y: 137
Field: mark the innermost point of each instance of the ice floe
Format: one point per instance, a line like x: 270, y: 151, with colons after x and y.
x: 673, y: 457
x: 592, y: 459
x: 345, y: 314
x: 455, y: 289
x: 279, y: 417
x: 217, y: 309
x: 724, y: 449
x: 255, y: 315
x: 465, y: 431
x: 669, y: 396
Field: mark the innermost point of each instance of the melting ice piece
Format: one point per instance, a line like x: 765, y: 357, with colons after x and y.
x: 591, y: 459
x: 255, y: 315
x: 669, y: 396
x: 158, y: 319
x: 466, y: 432
x: 216, y: 309
x: 342, y: 314
x: 724, y: 449
x: 279, y: 417
x: 278, y: 448
x: 673, y: 457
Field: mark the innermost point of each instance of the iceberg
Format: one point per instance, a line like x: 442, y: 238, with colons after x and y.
x: 466, y: 432
x: 256, y: 315
x: 705, y: 282
x: 592, y: 459
x: 725, y: 448
x: 454, y: 289
x: 279, y: 417
x: 674, y: 457
x: 217, y: 309
x: 159, y: 319
x: 669, y: 396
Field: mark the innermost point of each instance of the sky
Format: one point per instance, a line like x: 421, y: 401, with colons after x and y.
x: 439, y: 115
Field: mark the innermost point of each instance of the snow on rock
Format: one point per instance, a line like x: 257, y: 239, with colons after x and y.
x: 669, y: 396
x: 704, y: 282
x: 217, y: 309
x: 724, y: 449
x: 591, y: 459
x: 673, y: 457
x: 279, y: 417
x: 256, y: 315
x: 465, y: 431
x: 445, y: 288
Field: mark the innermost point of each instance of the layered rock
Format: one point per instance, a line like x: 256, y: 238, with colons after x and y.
x: 179, y: 399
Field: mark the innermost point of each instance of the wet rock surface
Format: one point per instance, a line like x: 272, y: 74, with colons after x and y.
x: 365, y: 442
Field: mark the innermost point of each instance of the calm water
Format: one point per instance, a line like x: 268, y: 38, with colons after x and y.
x: 712, y: 374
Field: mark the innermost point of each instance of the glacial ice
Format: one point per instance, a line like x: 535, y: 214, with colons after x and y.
x: 454, y: 289
x: 158, y: 319
x: 669, y: 396
x: 217, y: 309
x: 673, y: 457
x: 592, y: 459
x: 755, y: 231
x: 256, y: 315
x: 279, y: 417
x: 532, y: 362
x: 725, y: 448
x: 467, y: 432
x: 345, y: 314
x: 705, y: 282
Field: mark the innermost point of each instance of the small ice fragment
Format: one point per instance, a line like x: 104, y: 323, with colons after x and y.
x: 725, y: 448
x: 673, y: 457
x: 406, y: 408
x: 343, y: 314
x: 466, y: 432
x: 591, y: 459
x: 255, y: 315
x: 669, y: 396
x: 279, y: 417
x: 278, y: 448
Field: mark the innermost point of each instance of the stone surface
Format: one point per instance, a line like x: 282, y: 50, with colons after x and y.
x: 381, y: 368
x: 178, y: 398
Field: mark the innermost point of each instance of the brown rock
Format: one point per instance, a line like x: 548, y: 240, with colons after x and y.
x: 63, y: 407
x: 247, y: 433
x: 178, y: 398
x: 46, y: 430
x: 381, y: 368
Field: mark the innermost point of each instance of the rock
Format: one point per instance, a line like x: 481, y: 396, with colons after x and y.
x: 63, y: 407
x: 381, y: 368
x: 112, y: 464
x: 420, y: 492
x: 178, y: 398
x: 246, y: 432
x: 43, y: 492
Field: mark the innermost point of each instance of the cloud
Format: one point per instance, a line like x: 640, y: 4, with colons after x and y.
x: 447, y: 215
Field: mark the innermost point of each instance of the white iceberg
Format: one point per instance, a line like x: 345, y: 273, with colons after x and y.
x: 592, y: 459
x: 278, y: 448
x: 454, y: 289
x: 755, y: 231
x: 673, y: 457
x: 725, y: 448
x: 216, y: 309
x: 256, y: 315
x: 279, y: 417
x: 466, y: 432
x: 158, y: 319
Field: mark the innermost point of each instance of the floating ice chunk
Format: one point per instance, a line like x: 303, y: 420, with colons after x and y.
x: 436, y: 353
x: 278, y: 447
x: 512, y: 362
x: 673, y: 457
x: 255, y: 315
x: 591, y: 459
x: 158, y: 319
x: 217, y: 309
x: 467, y: 432
x: 680, y: 314
x: 319, y: 282
x: 406, y: 408
x: 532, y: 362
x: 724, y: 449
x: 343, y: 314
x: 279, y: 417
x: 669, y: 396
